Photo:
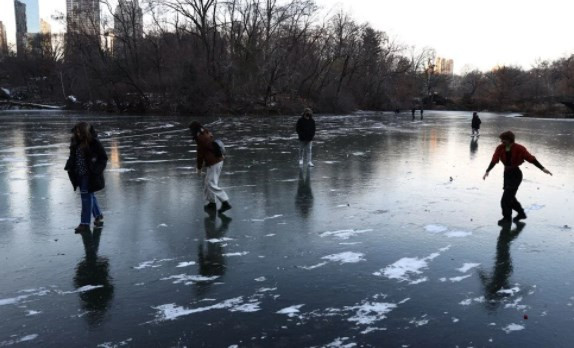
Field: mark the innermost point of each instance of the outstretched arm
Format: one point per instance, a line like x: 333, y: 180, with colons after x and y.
x: 492, y: 164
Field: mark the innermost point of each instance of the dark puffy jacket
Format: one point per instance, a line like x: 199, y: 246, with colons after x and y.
x: 96, y: 158
x: 306, y: 128
x: 476, y: 122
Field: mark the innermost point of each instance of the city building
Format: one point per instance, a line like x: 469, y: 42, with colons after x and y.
x: 3, y: 40
x: 21, y: 27
x: 128, y: 26
x: 83, y: 16
x: 444, y: 66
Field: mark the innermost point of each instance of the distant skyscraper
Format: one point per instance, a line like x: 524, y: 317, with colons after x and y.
x: 444, y: 66
x: 128, y: 25
x: 21, y: 27
x: 83, y: 16
x: 3, y: 40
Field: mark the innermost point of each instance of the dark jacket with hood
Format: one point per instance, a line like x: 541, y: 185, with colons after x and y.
x: 306, y: 128
x: 476, y: 122
x: 206, y: 154
x: 96, y: 159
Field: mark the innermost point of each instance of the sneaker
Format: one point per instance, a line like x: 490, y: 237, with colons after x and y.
x: 300, y: 162
x: 504, y: 222
x: 99, y: 221
x: 225, y: 206
x: 520, y: 216
x: 310, y: 164
x: 82, y: 228
x: 210, y: 206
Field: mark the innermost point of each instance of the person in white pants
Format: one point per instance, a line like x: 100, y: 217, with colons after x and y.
x: 212, y: 160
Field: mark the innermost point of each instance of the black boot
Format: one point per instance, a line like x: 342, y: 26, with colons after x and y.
x: 504, y: 221
x: 520, y: 216
x: 225, y: 206
x: 210, y: 207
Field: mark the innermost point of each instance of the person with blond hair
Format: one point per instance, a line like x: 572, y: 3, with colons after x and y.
x: 512, y: 155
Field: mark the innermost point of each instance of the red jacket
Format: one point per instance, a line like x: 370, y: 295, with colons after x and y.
x: 518, y: 154
x: 205, y: 153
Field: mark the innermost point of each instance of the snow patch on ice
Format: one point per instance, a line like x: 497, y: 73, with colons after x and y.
x: 345, y: 257
x: 236, y: 254
x: 512, y: 327
x: 120, y: 170
x: 343, y: 234
x: 314, y: 266
x: 219, y: 240
x: 339, y: 342
x: 290, y: 311
x: 151, y: 264
x: 260, y: 279
x: 458, y: 279
x: 19, y: 340
x: 405, y: 268
x: 267, y: 218
x: 510, y: 291
x: 534, y: 207
x: 171, y: 312
x: 185, y: 264
x: 458, y: 234
x: 469, y: 301
x: 436, y: 228
x: 467, y: 267
x: 370, y: 312
x: 187, y: 279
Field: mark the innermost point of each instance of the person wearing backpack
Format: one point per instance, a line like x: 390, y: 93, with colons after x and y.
x: 210, y: 156
x: 306, y: 132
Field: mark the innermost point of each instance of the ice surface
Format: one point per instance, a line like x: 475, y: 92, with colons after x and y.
x: 513, y: 327
x: 467, y: 267
x: 344, y: 234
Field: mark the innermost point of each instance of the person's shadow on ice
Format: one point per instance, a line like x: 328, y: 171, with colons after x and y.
x: 304, y: 197
x: 498, y: 280
x: 473, y: 146
x: 94, y: 270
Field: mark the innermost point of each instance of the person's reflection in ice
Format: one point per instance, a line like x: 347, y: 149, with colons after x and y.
x: 94, y: 270
x: 304, y: 197
x: 502, y: 268
x: 473, y: 146
x: 210, y: 251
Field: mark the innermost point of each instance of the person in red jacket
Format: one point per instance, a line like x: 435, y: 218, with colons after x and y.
x: 512, y: 155
x: 208, y: 157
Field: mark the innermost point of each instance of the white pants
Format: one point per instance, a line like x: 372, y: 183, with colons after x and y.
x: 305, y: 151
x: 211, y: 188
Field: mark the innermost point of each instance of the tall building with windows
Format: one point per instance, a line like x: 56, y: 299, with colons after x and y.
x: 128, y: 26
x: 83, y: 16
x: 3, y: 40
x: 444, y: 66
x: 21, y: 27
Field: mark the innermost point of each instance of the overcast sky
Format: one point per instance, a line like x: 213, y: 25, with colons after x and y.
x: 480, y: 33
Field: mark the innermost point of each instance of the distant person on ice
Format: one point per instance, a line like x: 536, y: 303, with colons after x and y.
x: 422, y: 111
x: 306, y: 132
x: 512, y: 155
x: 85, y: 167
x: 210, y: 157
x: 475, y: 124
x: 413, y: 110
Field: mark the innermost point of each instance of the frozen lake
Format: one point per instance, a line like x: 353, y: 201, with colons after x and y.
x: 390, y: 240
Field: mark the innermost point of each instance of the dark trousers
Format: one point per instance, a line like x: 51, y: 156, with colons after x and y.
x: 508, y: 203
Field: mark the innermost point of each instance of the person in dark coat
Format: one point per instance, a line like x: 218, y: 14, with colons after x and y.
x: 475, y: 124
x: 512, y: 155
x: 306, y: 132
x: 85, y: 167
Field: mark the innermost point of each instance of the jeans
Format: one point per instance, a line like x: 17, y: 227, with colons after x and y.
x: 89, y: 202
x: 305, y: 151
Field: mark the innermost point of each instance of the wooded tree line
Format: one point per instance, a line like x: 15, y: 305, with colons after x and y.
x: 245, y: 56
